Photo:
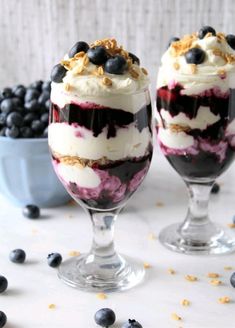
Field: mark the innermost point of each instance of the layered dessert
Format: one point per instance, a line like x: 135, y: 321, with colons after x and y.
x: 196, y: 103
x: 100, y: 131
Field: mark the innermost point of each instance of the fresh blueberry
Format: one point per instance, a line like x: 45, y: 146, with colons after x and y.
x: 12, y: 132
x: 17, y: 256
x: 6, y: 93
x: 195, y: 56
x: 173, y: 39
x: 7, y: 105
x: 48, y: 104
x: 31, y: 94
x: 204, y: 30
x: 116, y: 65
x: 37, y: 126
x: 26, y: 132
x: 19, y: 91
x: 230, y: 38
x: 45, y: 118
x: 134, y: 58
x: 105, y: 317
x: 17, y: 102
x: 3, y: 319
x: 58, y: 73
x: 97, y: 55
x: 54, y: 260
x: 31, y: 211
x: 216, y: 188
x: 3, y: 284
x: 3, y: 132
x: 46, y: 86
x: 3, y: 118
x: 14, y: 119
x: 45, y: 132
x: 32, y: 105
x: 45, y: 95
x: 36, y: 85
x: 232, y: 279
x: 131, y: 323
x: 79, y: 46
x: 29, y: 118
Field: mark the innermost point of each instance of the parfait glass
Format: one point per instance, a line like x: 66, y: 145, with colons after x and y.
x: 102, y: 158
x: 196, y: 133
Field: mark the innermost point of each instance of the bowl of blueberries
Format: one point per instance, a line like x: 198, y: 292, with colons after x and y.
x: 26, y: 173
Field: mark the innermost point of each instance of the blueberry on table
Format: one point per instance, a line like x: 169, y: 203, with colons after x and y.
x: 232, y: 279
x: 7, y: 105
x: 32, y: 105
x: 45, y: 132
x: 46, y: 86
x: 31, y: 94
x: 3, y: 132
x: 36, y: 85
x: 77, y: 47
x: 26, y: 132
x: 3, y: 319
x: 204, y: 30
x: 54, y: 260
x: 31, y: 211
x: 134, y: 58
x: 17, y: 256
x: 12, y: 132
x: 29, y: 118
x: 115, y: 65
x: 6, y: 93
x: 3, y: 118
x: 3, y: 284
x: 19, y: 91
x: 45, y: 95
x: 45, y: 118
x: 58, y: 73
x: 105, y: 317
x: 230, y: 38
x: 14, y: 119
x: 37, y: 126
x: 173, y: 39
x: 97, y: 55
x: 48, y: 104
x: 195, y: 56
x: 132, y: 323
x: 215, y: 189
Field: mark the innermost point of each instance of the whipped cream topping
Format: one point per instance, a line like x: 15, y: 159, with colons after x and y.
x: 217, y: 70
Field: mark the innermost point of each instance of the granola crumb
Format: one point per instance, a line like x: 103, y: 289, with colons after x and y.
x: 101, y: 296
x: 224, y: 300
x: 133, y: 73
x: 213, y: 275
x: 176, y: 317
x: 106, y: 81
x: 147, y: 265
x: 185, y: 302
x: 231, y: 225
x: 228, y: 268
x: 51, y: 306
x: 152, y: 236
x: 159, y: 204
x: 144, y: 71
x: 72, y: 202
x: 171, y: 271
x: 191, y: 278
x: 74, y: 253
x: 215, y: 282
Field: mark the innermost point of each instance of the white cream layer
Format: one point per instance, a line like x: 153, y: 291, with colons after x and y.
x: 203, y: 119
x: 177, y: 140
x: 127, y: 102
x: 84, y: 177
x: 206, y: 76
x: 68, y: 140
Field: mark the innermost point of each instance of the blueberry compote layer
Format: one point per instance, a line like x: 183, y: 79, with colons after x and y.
x: 118, y: 179
x: 211, y: 152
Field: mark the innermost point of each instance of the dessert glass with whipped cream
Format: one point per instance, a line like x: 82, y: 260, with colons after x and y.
x: 196, y: 130
x: 100, y: 137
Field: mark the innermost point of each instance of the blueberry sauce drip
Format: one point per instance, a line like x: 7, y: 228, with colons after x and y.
x: 96, y: 118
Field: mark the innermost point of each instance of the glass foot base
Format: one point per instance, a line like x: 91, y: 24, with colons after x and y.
x: 88, y: 274
x: 221, y: 243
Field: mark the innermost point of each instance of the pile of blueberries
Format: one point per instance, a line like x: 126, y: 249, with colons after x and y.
x: 24, y: 112
x: 98, y: 56
x: 197, y: 55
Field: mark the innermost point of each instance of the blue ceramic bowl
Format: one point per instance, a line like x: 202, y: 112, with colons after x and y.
x: 27, y: 175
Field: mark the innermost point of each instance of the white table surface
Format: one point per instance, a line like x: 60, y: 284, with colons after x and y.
x: 34, y: 285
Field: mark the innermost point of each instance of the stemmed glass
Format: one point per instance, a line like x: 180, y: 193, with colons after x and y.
x: 119, y: 145
x: 196, y: 134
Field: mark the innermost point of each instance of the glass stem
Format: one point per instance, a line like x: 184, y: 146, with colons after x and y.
x: 197, y: 226
x: 103, y: 234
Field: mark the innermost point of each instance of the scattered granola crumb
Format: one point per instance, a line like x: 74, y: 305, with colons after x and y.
x: 228, y: 268
x: 224, y: 300
x: 185, y: 302
x: 72, y: 202
x: 215, y: 282
x: 152, y: 236
x: 159, y: 204
x: 171, y: 271
x: 101, y: 296
x: 147, y: 265
x: 144, y: 71
x: 212, y: 275
x: 74, y: 253
x: 191, y: 277
x: 231, y: 225
x: 106, y: 81
x: 175, y: 316
x: 51, y: 306
x: 133, y: 73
